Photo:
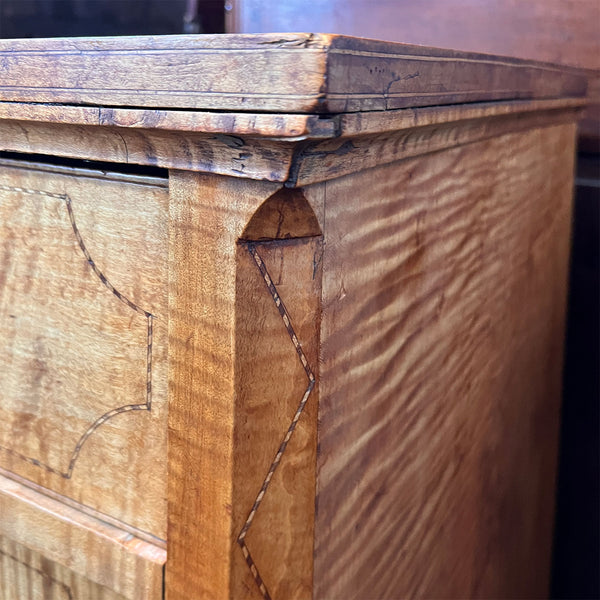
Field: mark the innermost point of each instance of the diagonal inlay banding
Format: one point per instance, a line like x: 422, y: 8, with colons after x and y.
x: 285, y: 317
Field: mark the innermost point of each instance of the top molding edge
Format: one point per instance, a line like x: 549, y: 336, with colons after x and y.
x: 274, y: 73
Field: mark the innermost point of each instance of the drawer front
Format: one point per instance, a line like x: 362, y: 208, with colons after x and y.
x: 28, y: 575
x: 70, y: 541
x: 83, y: 343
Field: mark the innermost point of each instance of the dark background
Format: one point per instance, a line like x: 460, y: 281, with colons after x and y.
x: 68, y: 18
x: 576, y: 552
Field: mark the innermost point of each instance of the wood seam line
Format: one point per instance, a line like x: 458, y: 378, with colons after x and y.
x: 64, y: 586
x: 147, y: 405
x: 290, y: 431
x: 306, y: 45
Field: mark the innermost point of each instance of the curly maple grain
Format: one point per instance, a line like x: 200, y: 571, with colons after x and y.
x: 207, y: 216
x: 443, y: 319
x: 67, y: 471
x: 74, y: 547
x: 364, y: 405
x: 242, y: 418
x: 275, y: 434
x: 81, y: 360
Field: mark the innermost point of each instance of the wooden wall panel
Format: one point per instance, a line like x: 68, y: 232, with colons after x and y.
x: 443, y: 311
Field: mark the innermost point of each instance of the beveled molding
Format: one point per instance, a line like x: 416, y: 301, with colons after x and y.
x: 291, y: 149
x: 273, y: 72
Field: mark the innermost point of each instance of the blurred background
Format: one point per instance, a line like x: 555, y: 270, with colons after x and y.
x: 562, y: 31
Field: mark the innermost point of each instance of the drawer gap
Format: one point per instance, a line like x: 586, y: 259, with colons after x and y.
x: 88, y: 165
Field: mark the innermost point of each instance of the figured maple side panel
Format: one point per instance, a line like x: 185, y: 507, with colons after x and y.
x: 27, y: 575
x: 443, y: 317
x: 83, y: 326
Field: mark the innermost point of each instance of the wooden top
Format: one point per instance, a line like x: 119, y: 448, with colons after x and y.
x: 276, y: 73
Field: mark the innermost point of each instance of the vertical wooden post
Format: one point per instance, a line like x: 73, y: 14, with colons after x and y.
x: 203, y: 234
x: 244, y: 301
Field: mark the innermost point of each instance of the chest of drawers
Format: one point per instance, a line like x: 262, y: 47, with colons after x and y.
x: 280, y: 317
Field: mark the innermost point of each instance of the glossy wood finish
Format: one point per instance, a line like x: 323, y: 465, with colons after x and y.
x: 67, y: 287
x: 441, y: 371
x: 291, y: 73
x: 353, y: 315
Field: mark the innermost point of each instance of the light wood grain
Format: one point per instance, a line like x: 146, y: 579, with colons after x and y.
x: 558, y: 31
x: 83, y: 337
x: 287, y: 214
x: 362, y: 309
x: 443, y: 317
x: 326, y: 159
x: 87, y: 547
x: 279, y: 126
x: 394, y: 134
x: 270, y: 72
x: 288, y: 126
x: 207, y: 216
x: 369, y: 123
x: 275, y: 432
x: 222, y: 154
x: 212, y: 71
x: 241, y: 496
x: 86, y: 510
x: 22, y: 569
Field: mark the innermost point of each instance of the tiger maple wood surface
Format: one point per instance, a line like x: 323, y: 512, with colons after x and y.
x: 443, y: 311
x: 82, y: 545
x: 83, y: 332
x: 207, y: 217
x: 22, y: 569
x: 426, y: 339
x: 269, y: 72
x: 239, y: 388
x: 334, y: 145
x: 277, y: 365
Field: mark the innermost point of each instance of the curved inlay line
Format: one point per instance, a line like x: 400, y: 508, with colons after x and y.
x: 290, y: 431
x: 147, y: 405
